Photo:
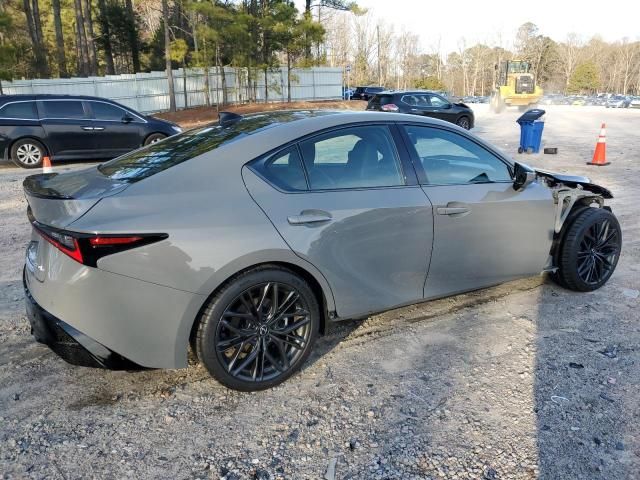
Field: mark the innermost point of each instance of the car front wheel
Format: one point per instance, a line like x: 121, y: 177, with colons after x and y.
x: 258, y: 329
x: 590, y: 250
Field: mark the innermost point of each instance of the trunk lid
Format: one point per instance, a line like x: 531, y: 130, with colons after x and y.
x: 58, y: 199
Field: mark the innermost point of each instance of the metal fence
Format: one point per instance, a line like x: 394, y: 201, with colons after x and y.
x: 149, y: 92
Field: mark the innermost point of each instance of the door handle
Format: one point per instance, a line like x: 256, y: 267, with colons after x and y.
x: 453, y: 209
x: 98, y: 129
x: 88, y: 129
x: 309, y: 217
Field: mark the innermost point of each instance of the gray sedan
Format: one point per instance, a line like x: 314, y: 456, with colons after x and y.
x: 246, y: 239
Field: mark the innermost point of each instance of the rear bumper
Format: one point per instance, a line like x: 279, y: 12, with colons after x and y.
x: 70, y: 344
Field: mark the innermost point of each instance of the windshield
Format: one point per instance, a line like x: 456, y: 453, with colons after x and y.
x: 155, y: 158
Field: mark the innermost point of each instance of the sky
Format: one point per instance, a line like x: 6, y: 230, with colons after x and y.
x: 486, y: 20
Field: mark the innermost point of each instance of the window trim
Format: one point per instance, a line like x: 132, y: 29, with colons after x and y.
x: 121, y: 107
x: 344, y: 127
x: 408, y: 171
x: 415, y: 158
x: 19, y: 118
x: 263, y: 159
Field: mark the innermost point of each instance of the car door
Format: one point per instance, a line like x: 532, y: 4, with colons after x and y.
x: 68, y: 128
x: 117, y: 130
x: 485, y: 232
x: 343, y: 201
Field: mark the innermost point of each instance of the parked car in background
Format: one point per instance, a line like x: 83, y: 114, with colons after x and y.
x: 365, y: 93
x: 635, y: 102
x: 618, y: 101
x: 347, y: 93
x: 246, y: 240
x: 423, y: 103
x: 66, y: 127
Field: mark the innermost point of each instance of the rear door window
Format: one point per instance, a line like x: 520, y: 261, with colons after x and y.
x: 19, y: 111
x: 62, y: 109
x: 356, y: 157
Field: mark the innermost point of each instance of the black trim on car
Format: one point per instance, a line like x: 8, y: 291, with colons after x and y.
x: 391, y: 125
x: 69, y: 343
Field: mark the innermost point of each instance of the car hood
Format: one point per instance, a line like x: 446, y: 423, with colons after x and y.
x: 573, y: 181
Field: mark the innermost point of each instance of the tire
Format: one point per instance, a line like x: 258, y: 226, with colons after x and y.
x: 590, y: 250
x: 261, y: 349
x: 464, y: 122
x: 28, y: 153
x: 153, y: 138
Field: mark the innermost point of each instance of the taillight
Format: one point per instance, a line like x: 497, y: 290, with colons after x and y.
x: 88, y: 249
x: 109, y: 241
x: 389, y: 107
x: 63, y: 242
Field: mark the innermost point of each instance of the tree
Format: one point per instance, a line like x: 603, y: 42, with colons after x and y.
x: 430, y: 83
x: 90, y: 38
x: 34, y: 26
x: 584, y: 79
x: 132, y: 33
x: 569, y: 53
x: 167, y: 55
x: 81, y: 41
x: 60, y: 52
x: 105, y: 37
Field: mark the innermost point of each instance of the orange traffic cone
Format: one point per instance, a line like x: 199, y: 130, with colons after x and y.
x: 600, y: 154
x: 46, y: 165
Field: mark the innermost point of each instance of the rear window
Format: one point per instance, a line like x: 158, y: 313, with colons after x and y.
x: 19, y: 110
x: 62, y: 109
x: 379, y: 100
x: 155, y: 158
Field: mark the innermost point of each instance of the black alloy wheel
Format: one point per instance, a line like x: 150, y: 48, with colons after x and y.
x: 590, y: 250
x: 259, y: 330
x: 598, y: 251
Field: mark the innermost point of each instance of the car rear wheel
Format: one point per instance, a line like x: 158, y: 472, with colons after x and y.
x: 258, y: 329
x: 28, y: 153
x: 464, y: 123
x: 590, y: 250
x: 154, y: 137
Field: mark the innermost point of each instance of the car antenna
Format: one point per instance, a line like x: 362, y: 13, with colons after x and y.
x: 228, y: 118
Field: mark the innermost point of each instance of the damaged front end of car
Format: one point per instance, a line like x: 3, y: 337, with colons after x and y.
x: 568, y: 191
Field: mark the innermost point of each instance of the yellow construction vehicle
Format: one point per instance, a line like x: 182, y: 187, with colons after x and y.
x: 515, y: 86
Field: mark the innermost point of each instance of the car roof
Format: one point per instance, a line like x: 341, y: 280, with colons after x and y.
x: 50, y: 96
x: 277, y: 128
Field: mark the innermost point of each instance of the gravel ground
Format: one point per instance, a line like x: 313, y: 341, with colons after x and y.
x: 524, y: 380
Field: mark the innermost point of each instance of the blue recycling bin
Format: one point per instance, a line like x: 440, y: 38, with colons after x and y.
x: 531, y: 130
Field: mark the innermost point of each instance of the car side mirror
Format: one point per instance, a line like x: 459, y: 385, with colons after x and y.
x: 127, y: 119
x: 447, y: 106
x: 523, y: 176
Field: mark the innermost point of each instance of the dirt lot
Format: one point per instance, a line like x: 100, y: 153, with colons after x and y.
x: 505, y: 383
x: 203, y: 115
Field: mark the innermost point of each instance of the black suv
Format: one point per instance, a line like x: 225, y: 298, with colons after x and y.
x: 421, y: 102
x: 67, y: 127
x: 365, y: 93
